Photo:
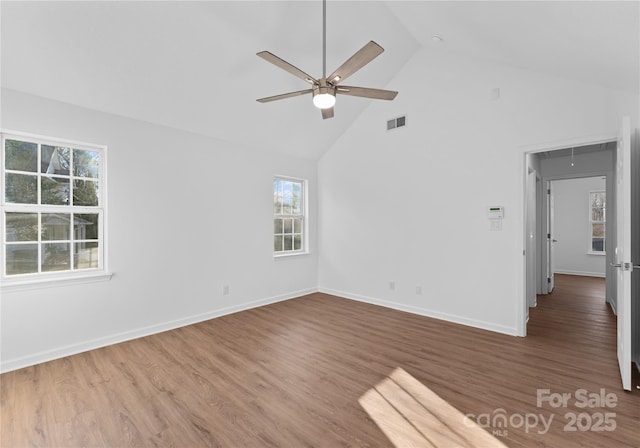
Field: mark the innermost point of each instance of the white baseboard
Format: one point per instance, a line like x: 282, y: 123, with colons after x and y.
x: 511, y: 331
x: 613, y: 306
x: 73, y: 349
x: 583, y: 274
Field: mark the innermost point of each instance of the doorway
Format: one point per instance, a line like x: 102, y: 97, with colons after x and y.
x: 623, y: 165
x: 560, y: 166
x: 577, y: 223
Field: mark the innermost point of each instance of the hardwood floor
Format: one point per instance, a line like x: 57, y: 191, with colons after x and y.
x: 292, y: 374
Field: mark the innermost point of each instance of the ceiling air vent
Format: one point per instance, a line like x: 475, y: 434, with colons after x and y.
x: 396, y: 122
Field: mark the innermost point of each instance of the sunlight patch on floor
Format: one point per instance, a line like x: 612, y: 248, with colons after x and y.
x: 411, y: 415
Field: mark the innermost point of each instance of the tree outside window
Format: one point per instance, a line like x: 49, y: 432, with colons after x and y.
x: 597, y: 218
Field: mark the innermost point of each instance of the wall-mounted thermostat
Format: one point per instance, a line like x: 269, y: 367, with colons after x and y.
x: 495, y: 215
x: 495, y: 212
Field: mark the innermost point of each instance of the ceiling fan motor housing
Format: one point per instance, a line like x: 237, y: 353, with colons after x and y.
x: 323, y: 88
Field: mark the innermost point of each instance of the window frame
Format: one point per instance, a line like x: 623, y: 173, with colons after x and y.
x: 41, y: 278
x: 304, y: 216
x: 590, y: 250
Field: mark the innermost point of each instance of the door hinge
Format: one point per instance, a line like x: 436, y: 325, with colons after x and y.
x: 549, y: 191
x: 548, y: 236
x: 548, y: 279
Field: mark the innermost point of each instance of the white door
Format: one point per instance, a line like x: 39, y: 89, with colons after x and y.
x: 550, y: 238
x: 623, y: 251
x: 531, y: 240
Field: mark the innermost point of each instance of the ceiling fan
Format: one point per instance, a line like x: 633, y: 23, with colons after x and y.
x: 325, y: 89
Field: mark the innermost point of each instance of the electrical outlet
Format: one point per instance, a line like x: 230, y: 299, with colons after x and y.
x: 418, y: 290
x: 392, y: 285
x: 225, y: 290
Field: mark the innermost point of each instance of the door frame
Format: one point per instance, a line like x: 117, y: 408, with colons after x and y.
x: 522, y: 305
x: 610, y: 233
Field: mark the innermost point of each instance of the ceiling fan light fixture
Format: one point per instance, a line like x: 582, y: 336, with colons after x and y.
x: 323, y: 98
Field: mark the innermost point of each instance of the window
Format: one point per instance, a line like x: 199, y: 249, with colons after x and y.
x: 52, y: 209
x: 597, y: 221
x: 289, y: 216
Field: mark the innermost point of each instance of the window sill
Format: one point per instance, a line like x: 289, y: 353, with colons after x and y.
x: 290, y: 254
x: 597, y: 253
x: 28, y: 284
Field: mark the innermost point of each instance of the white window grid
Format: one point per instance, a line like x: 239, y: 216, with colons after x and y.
x: 43, y: 209
x: 299, y: 221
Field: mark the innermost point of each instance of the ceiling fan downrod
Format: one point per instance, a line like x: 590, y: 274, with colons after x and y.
x: 324, y: 38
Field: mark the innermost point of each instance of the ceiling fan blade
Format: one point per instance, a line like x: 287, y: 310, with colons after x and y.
x: 284, y: 95
x: 361, y: 58
x: 295, y: 71
x: 366, y: 92
x: 327, y: 113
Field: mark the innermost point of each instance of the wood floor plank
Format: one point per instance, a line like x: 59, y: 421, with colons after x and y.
x: 294, y: 374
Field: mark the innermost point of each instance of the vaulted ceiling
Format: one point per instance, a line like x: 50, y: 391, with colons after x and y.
x: 193, y: 65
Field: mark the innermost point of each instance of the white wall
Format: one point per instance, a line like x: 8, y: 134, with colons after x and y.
x: 187, y: 215
x: 572, y: 228
x: 410, y: 205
